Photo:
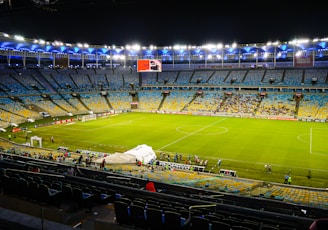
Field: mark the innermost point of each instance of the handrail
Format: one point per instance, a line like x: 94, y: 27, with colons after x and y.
x: 117, y: 177
x: 38, y: 173
x: 197, y: 206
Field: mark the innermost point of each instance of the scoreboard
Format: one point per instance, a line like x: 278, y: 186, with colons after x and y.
x: 149, y: 65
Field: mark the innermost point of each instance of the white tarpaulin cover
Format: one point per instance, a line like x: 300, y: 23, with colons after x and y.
x: 143, y: 153
x: 117, y: 158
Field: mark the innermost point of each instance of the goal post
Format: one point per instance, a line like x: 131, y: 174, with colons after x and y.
x: 88, y: 117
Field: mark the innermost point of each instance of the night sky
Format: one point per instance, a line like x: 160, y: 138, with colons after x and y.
x: 162, y: 23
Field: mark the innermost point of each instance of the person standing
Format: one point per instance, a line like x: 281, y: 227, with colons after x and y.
x: 150, y: 186
x: 269, y: 168
x: 103, y: 163
x: 70, y: 171
x: 219, y: 163
x: 309, y: 174
x: 80, y: 159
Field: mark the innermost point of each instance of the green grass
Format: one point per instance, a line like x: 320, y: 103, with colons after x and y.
x: 243, y: 144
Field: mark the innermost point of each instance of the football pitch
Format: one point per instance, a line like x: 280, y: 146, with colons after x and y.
x: 243, y: 144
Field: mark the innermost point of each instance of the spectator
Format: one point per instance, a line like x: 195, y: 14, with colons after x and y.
x: 34, y: 169
x: 70, y: 171
x: 289, y: 180
x: 219, y: 163
x: 269, y: 168
x: 175, y: 159
x: 102, y: 165
x: 309, y: 174
x: 80, y: 159
x: 150, y: 186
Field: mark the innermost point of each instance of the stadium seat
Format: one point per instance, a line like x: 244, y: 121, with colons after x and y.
x: 155, y: 219
x: 219, y: 225
x: 33, y: 190
x: 138, y: 216
x: 173, y: 220
x: 122, y: 213
x: 50, y: 196
x: 198, y: 222
x: 82, y: 198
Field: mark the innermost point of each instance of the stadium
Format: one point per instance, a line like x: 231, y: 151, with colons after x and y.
x: 261, y: 109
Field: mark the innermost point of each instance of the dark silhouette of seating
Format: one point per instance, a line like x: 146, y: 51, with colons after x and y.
x: 122, y: 213
x: 250, y: 224
x: 14, y: 186
x: 151, y: 205
x: 139, y: 202
x: 269, y: 227
x: 219, y: 225
x: 185, y: 213
x: 138, y: 217
x: 319, y: 224
x: 33, y: 190
x: 239, y: 227
x: 231, y: 220
x: 198, y: 222
x: 155, y: 219
x: 102, y: 196
x: 168, y: 208
x: 22, y: 188
x: 5, y: 183
x: 50, y: 196
x: 67, y: 192
x: 172, y: 220
x: 213, y: 217
x: 126, y: 200
x: 10, y: 185
x: 57, y: 186
x: 83, y: 199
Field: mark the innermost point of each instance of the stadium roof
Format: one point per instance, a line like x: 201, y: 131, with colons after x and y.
x: 162, y: 23
x: 17, y: 42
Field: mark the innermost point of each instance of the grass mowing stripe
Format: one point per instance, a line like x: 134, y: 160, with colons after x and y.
x: 193, y: 133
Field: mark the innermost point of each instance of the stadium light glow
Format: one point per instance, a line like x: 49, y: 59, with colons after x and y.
x: 57, y: 43
x: 135, y: 47
x: 299, y: 41
x: 19, y: 38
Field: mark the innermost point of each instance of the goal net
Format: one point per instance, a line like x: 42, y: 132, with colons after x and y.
x: 89, y: 117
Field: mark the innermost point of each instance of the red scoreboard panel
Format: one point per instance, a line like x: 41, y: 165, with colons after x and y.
x: 149, y: 65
